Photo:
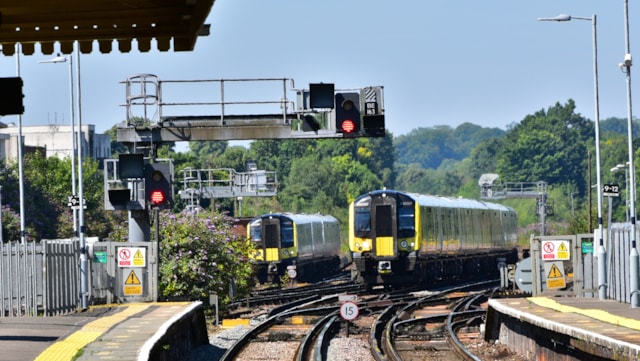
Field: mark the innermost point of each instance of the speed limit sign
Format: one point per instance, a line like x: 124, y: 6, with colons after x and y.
x: 349, y: 311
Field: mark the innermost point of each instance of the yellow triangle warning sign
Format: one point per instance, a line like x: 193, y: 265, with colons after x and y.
x: 563, y: 247
x: 554, y: 272
x: 132, y: 279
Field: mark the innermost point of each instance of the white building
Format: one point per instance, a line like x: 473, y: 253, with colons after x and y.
x: 54, y: 140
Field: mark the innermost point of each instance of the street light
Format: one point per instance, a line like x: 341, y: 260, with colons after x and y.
x: 79, y: 226
x: 64, y: 59
x: 601, y: 251
x: 633, y: 255
x: 626, y: 185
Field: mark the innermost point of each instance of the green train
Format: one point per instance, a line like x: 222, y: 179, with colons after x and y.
x: 398, y: 237
x: 300, y: 245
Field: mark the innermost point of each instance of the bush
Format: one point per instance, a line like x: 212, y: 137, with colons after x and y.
x: 201, y: 254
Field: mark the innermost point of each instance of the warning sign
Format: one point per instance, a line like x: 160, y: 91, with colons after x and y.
x: 555, y: 275
x: 132, y: 257
x: 555, y: 250
x: 139, y: 258
x: 132, y: 285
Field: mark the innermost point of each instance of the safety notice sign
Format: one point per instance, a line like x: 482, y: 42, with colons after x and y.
x: 555, y: 275
x: 132, y: 256
x: 132, y: 285
x: 555, y: 250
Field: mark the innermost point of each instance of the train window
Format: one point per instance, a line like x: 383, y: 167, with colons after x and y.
x: 362, y: 220
x: 286, y: 228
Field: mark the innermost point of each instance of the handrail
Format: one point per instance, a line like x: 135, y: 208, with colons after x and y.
x: 146, y: 90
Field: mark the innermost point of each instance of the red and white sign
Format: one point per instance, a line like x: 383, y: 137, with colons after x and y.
x: 555, y: 250
x: 132, y: 257
x: 349, y: 311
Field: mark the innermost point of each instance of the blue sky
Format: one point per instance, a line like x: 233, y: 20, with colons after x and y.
x: 440, y: 62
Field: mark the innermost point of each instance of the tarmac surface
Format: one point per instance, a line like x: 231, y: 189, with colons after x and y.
x: 114, y: 332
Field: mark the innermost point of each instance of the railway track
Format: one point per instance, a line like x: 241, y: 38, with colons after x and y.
x: 432, y: 325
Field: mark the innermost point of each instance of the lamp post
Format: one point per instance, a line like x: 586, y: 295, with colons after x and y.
x: 633, y: 256
x: 23, y: 233
x: 64, y: 59
x: 602, y: 276
x: 78, y: 221
x: 626, y: 187
x: 84, y: 262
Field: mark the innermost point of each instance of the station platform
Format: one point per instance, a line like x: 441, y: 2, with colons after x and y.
x: 565, y: 328
x: 139, y: 331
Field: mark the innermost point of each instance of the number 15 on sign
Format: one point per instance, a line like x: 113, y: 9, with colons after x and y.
x: 349, y: 311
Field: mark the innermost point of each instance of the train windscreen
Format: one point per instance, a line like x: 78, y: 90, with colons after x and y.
x: 406, y: 217
x: 256, y: 230
x: 362, y: 218
x: 287, y: 233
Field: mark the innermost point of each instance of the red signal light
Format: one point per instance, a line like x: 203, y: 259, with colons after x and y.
x: 157, y: 197
x: 348, y: 126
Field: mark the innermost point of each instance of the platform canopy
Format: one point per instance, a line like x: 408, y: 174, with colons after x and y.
x: 100, y: 22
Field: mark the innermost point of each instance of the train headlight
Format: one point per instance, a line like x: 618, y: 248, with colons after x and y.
x: 365, y: 245
x: 285, y: 252
x: 403, y: 244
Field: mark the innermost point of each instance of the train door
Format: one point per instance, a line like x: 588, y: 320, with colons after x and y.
x: 384, y: 232
x: 271, y: 238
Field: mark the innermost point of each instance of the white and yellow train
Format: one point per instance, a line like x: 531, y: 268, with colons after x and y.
x: 300, y: 245
x: 398, y: 237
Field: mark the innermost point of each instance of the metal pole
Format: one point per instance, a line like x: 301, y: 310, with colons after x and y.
x: 23, y: 235
x: 633, y: 257
x: 626, y: 195
x: 602, y: 253
x: 73, y: 146
x: 1, y: 239
x: 84, y: 277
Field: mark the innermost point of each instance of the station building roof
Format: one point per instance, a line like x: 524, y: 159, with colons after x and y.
x: 173, y: 24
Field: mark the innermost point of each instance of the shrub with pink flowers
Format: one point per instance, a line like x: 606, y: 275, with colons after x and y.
x: 201, y: 254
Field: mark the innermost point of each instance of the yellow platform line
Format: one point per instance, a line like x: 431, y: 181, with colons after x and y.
x: 599, y: 315
x: 66, y: 349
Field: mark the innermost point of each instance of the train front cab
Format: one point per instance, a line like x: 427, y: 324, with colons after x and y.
x: 273, y: 238
x: 383, y: 240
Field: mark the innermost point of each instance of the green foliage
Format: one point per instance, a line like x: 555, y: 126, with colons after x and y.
x: 429, y: 147
x: 47, y: 186
x: 549, y: 146
x: 200, y: 254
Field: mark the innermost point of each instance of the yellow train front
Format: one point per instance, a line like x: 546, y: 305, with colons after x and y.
x: 397, y: 237
x: 299, y: 245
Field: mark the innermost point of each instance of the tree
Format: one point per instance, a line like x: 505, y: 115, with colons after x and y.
x: 47, y: 187
x: 549, y: 146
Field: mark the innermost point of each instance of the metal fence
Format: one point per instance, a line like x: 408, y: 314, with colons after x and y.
x: 582, y: 269
x: 43, y: 279
x: 39, y: 279
x: 618, y: 247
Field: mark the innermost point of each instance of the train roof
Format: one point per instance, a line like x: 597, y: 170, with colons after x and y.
x: 300, y: 217
x: 441, y: 201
